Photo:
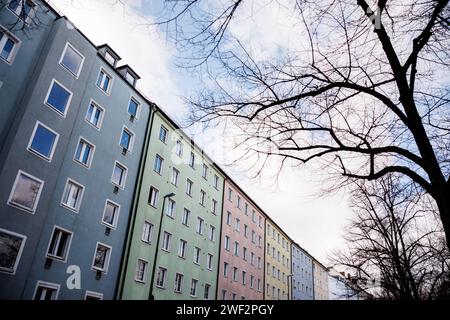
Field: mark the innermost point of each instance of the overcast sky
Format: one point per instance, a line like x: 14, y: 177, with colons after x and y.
x: 293, y: 202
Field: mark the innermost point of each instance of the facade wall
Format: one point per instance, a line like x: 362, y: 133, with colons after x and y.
x: 302, y: 270
x: 242, y: 224
x: 146, y: 212
x: 278, y: 264
x: 320, y: 281
x: 84, y: 224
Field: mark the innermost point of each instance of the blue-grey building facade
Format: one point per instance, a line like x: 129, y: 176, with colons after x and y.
x: 302, y: 274
x: 72, y: 132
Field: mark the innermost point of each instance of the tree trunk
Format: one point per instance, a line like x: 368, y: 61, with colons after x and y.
x: 443, y: 203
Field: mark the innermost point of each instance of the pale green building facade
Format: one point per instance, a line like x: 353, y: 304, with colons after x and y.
x: 174, y: 171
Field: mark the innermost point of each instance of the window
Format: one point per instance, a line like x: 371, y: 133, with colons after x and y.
x: 206, y: 293
x: 58, y: 98
x: 119, y: 175
x: 252, y: 281
x: 185, y: 218
x: 233, y: 296
x: 244, y: 253
x: 72, y: 196
x: 25, y: 192
x: 235, y: 272
x: 200, y: 222
x: 110, y: 214
x: 214, y: 206
x: 253, y: 216
x: 260, y: 241
x: 72, y: 60
x: 238, y: 202
x: 167, y: 237
x: 252, y: 258
x: 24, y: 9
x: 259, y: 262
x: 133, y: 108
x: 259, y: 284
x: 227, y: 243
x: 90, y: 295
x: 212, y: 233
x: 229, y: 218
x: 161, y: 278
x: 230, y: 195
x: 101, y: 257
x: 111, y: 60
x: 192, y: 160
x: 209, y: 261
x: 178, y: 283
x: 157, y: 166
x: 205, y: 172
x: 245, y: 230
x: 130, y: 78
x: 43, y: 141
x: 260, y: 221
x: 225, y: 269
x: 163, y: 132
x: 237, y: 225
x: 141, y: 271
x: 179, y: 148
x: 189, y: 185
x: 202, y: 197
x: 175, y: 176
x: 59, y: 245
x: 253, y: 236
x: 147, y: 230
x: 104, y: 81
x: 194, y: 287
x: 84, y: 152
x: 153, y: 197
x: 94, y: 115
x: 244, y: 274
x: 197, y: 255
x: 8, y: 45
x: 246, y: 209
x: 46, y: 291
x: 11, y: 247
x: 224, y: 294
x: 126, y: 140
x: 268, y: 268
x: 182, y: 249
x: 216, y: 181
x: 236, y: 249
x: 170, y: 209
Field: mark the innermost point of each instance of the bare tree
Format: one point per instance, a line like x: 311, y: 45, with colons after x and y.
x: 29, y: 15
x: 394, y: 250
x: 366, y: 93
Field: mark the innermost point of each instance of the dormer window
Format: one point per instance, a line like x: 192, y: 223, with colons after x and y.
x: 131, y: 80
x: 108, y: 54
x: 130, y: 76
x: 110, y: 58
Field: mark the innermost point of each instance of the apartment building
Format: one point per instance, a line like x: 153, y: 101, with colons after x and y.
x: 72, y: 132
x: 320, y: 274
x: 241, y: 268
x: 302, y: 274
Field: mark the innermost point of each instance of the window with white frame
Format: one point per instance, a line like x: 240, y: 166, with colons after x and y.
x: 178, y: 283
x: 227, y: 243
x: 179, y: 148
x: 73, y: 195
x: 259, y: 284
x: 9, y: 45
x: 11, y: 247
x: 207, y: 290
x: 25, y: 192
x: 194, y: 283
x: 230, y: 195
x: 238, y: 202
x: 46, y: 291
x: 147, y: 230
x: 104, y: 81
x: 225, y: 269
x: 101, y: 257
x: 197, y: 252
x: 58, y: 98
x: 141, y: 271
x: 185, y: 218
x: 158, y: 164
x: 94, y: 115
x: 200, y: 223
x: 110, y: 214
x: 214, y: 206
x: 245, y: 231
x: 216, y: 181
x: 205, y: 172
x: 90, y: 295
x: 130, y: 78
x: 189, y: 185
x: 24, y: 9
x: 175, y: 177
x: 170, y: 207
x: 119, y: 175
x: 167, y: 237
x: 163, y: 133
x: 202, y: 197
x: 133, y: 108
x: 229, y: 218
x: 153, y: 197
x: 84, y: 152
x: 212, y: 233
x: 126, y: 140
x: 246, y: 209
x: 182, y: 248
x: 236, y: 249
x: 59, y: 245
x: 192, y: 160
x: 252, y: 258
x: 209, y: 261
x: 111, y: 60
x: 237, y: 225
x: 235, y: 273
x: 161, y: 278
x: 72, y: 60
x: 43, y: 141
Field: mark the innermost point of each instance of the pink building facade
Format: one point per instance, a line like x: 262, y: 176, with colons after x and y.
x: 241, y: 266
